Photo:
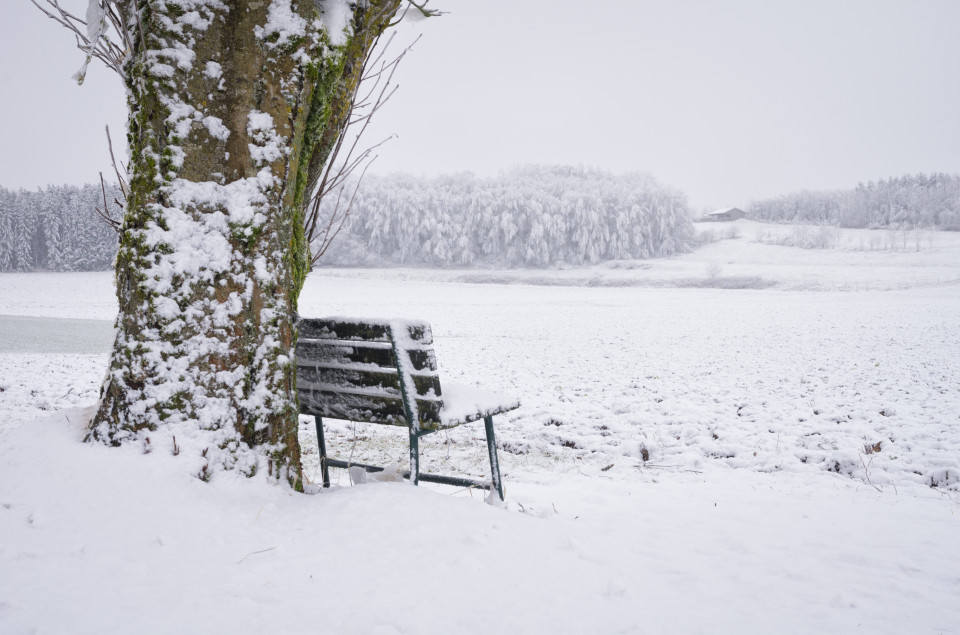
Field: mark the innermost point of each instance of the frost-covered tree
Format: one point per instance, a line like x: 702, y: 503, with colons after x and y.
x: 532, y: 216
x: 234, y: 108
x: 56, y: 229
x: 23, y: 233
x: 904, y: 202
x: 6, y: 243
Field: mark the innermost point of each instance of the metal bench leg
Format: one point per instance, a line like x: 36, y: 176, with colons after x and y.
x: 414, y: 457
x: 494, y: 461
x: 324, y: 470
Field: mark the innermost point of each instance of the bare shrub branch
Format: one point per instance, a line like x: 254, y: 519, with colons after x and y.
x: 104, y: 213
x: 122, y: 182
x: 349, y: 156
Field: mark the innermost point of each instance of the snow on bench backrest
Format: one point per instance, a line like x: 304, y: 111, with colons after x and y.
x: 348, y: 368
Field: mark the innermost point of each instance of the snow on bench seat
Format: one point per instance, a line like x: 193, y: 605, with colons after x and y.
x: 463, y: 404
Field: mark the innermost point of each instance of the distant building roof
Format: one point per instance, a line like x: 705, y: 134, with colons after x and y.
x: 725, y: 210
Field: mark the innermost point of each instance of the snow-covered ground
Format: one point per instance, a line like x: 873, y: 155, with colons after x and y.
x: 685, y: 460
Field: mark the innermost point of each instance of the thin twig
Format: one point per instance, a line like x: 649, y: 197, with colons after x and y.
x: 111, y: 52
x: 255, y: 553
x: 676, y: 468
x: 346, y: 157
x: 866, y: 472
x: 113, y: 161
x: 104, y: 213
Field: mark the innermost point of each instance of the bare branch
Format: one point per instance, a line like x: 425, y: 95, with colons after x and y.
x: 124, y: 189
x: 327, y: 238
x: 113, y: 41
x: 420, y: 11
x: 347, y: 156
x: 422, y: 8
x: 104, y: 213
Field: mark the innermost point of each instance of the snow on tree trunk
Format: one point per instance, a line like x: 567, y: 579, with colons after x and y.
x: 212, y: 255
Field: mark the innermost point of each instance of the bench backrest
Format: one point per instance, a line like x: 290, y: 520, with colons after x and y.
x: 362, y: 370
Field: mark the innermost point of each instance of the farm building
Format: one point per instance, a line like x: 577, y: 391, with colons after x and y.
x: 726, y: 214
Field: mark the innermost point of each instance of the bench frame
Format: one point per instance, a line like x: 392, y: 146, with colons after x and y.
x: 376, y: 333
x: 497, y: 484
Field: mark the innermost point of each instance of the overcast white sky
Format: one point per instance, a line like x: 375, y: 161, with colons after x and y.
x: 728, y: 100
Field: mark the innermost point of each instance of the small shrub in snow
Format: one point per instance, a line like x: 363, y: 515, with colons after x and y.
x: 845, y: 463
x: 705, y: 238
x: 946, y: 477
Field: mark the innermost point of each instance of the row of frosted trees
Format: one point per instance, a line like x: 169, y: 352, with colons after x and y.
x: 55, y: 229
x: 904, y: 202
x: 532, y: 216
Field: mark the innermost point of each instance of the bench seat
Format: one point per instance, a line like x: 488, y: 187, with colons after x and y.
x: 465, y: 404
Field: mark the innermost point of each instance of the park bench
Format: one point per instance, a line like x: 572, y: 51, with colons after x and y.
x: 385, y: 372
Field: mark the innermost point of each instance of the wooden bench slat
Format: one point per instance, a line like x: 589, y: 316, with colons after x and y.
x: 341, y: 353
x: 367, y: 330
x: 314, y: 329
x: 338, y: 353
x: 427, y: 385
x: 387, y: 382
x: 348, y: 378
x: 372, y: 408
x: 423, y: 360
x: 353, y: 407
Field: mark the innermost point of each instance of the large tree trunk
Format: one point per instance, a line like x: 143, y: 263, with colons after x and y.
x: 212, y: 255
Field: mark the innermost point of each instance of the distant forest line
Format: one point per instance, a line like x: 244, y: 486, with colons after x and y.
x: 930, y: 201
x: 531, y: 216
x: 534, y: 216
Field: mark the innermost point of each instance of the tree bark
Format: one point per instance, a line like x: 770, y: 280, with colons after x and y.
x: 223, y: 126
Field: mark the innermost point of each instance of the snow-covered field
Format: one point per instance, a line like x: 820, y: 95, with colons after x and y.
x: 751, y: 255
x: 687, y: 458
